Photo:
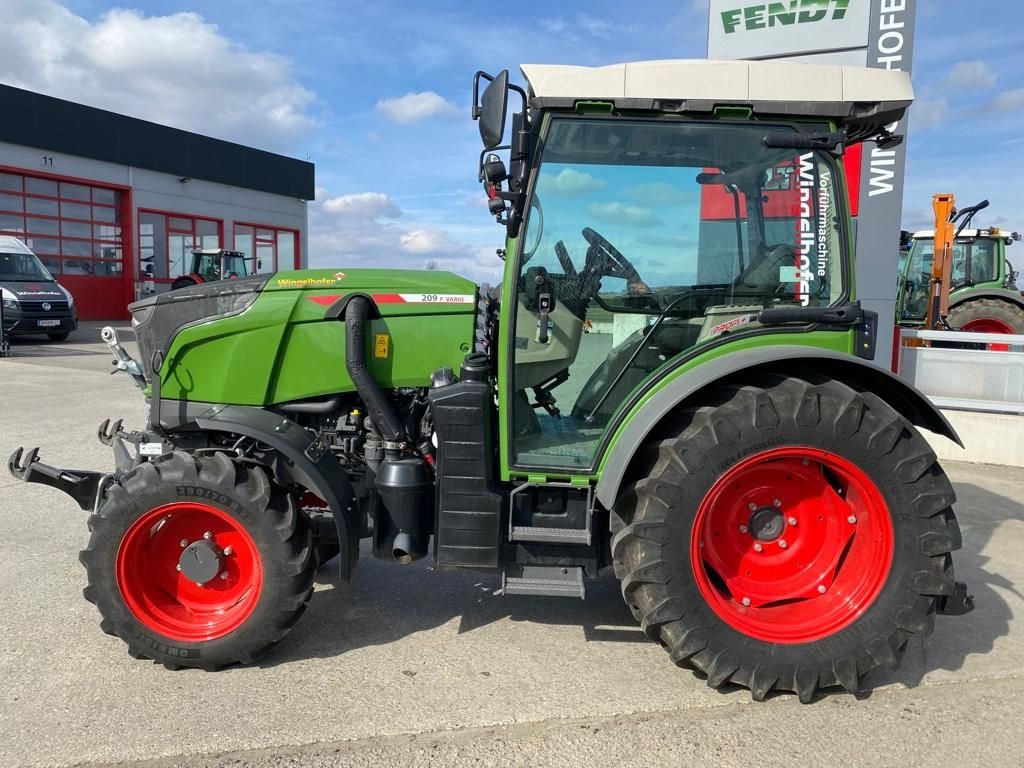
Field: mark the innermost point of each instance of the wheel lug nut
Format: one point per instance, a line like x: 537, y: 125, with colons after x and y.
x: 177, y: 567
x: 207, y: 535
x: 758, y: 547
x: 184, y: 543
x: 228, y: 551
x: 791, y: 521
x: 822, y: 589
x: 745, y: 601
x: 751, y: 506
x: 224, y: 574
x: 743, y: 529
x: 851, y: 519
x: 783, y: 543
x: 777, y: 502
x: 805, y: 462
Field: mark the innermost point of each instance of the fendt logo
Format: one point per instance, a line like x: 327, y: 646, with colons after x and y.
x: 785, y: 14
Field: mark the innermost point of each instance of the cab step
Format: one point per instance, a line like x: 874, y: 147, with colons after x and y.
x: 548, y: 580
x: 550, y: 535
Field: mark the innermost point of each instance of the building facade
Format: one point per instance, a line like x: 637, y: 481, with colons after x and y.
x: 114, y: 205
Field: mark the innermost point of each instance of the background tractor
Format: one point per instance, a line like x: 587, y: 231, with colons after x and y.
x: 983, y: 295
x: 686, y: 399
x: 212, y: 264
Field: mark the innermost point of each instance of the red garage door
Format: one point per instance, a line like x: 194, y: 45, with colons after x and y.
x: 77, y: 228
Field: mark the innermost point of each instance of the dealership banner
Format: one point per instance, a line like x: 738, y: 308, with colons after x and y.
x: 864, y: 33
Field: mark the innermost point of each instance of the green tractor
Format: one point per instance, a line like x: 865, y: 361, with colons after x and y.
x: 984, y: 296
x: 673, y: 381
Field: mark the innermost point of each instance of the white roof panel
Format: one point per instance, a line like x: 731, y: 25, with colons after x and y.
x: 796, y: 87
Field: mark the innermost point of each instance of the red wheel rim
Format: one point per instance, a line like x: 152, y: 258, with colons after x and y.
x: 791, y: 545
x: 989, y: 325
x: 163, y: 598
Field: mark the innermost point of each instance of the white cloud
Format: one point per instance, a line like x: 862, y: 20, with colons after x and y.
x: 970, y: 74
x: 414, y: 107
x: 363, y: 205
x: 364, y: 229
x: 177, y: 70
x: 925, y: 112
x: 1006, y: 101
x: 572, y: 183
x: 658, y: 194
x: 426, y: 241
x: 627, y: 215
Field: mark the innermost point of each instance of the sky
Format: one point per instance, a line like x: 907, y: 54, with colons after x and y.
x: 377, y: 95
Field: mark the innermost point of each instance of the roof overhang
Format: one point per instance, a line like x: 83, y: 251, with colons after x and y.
x: 781, y: 88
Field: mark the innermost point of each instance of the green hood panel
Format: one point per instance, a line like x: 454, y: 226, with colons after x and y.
x: 283, y: 347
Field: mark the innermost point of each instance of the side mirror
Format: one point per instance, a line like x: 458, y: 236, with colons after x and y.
x: 492, y: 109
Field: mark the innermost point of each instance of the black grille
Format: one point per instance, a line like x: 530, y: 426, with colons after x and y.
x: 56, y: 305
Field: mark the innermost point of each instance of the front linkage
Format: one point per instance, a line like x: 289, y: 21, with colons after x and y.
x: 84, y: 486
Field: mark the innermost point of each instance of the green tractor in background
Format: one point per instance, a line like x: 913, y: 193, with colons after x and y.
x: 984, y: 296
x: 674, y: 381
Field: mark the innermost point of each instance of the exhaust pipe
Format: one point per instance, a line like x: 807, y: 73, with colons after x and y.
x: 402, y: 549
x: 381, y: 412
x: 403, y: 505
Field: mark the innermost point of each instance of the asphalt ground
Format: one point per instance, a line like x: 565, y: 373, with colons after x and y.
x: 407, y: 666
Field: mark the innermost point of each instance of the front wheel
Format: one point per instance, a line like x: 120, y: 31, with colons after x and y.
x: 199, y: 561
x: 792, y: 537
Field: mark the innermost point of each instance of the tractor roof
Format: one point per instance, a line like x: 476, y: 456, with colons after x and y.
x: 844, y: 94
x: 1006, y: 237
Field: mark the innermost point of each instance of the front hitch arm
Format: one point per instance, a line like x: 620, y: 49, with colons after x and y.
x: 83, y: 486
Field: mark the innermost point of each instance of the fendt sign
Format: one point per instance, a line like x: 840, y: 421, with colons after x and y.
x: 861, y: 33
x: 768, y: 15
x: 749, y: 30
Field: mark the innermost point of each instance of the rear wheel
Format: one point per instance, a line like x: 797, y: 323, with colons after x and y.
x: 790, y: 536
x: 184, y: 282
x: 198, y: 562
x: 987, y: 316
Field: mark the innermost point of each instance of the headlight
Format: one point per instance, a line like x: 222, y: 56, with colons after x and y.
x: 66, y: 292
x: 10, y: 301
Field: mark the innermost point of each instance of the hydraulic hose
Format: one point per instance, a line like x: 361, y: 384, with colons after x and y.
x: 380, y: 410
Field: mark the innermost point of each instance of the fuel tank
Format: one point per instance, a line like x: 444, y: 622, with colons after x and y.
x: 273, y: 339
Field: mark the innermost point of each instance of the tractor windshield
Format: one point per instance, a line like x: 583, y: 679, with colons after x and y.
x: 975, y: 261
x: 645, y: 239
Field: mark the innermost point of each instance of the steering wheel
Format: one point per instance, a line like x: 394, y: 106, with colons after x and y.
x: 564, y: 259
x: 605, y: 260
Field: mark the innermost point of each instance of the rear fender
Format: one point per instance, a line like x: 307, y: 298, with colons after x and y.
x: 787, y: 360
x: 305, y: 462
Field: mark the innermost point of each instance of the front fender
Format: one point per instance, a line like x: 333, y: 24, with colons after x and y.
x: 305, y: 463
x: 794, y: 360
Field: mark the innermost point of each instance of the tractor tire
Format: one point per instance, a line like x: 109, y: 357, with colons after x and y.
x: 987, y: 316
x: 788, y: 536
x: 183, y: 282
x: 187, y: 599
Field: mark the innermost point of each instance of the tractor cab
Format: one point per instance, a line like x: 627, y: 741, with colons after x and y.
x: 212, y: 264
x: 646, y: 223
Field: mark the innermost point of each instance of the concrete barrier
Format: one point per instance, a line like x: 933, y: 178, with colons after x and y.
x: 989, y: 438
